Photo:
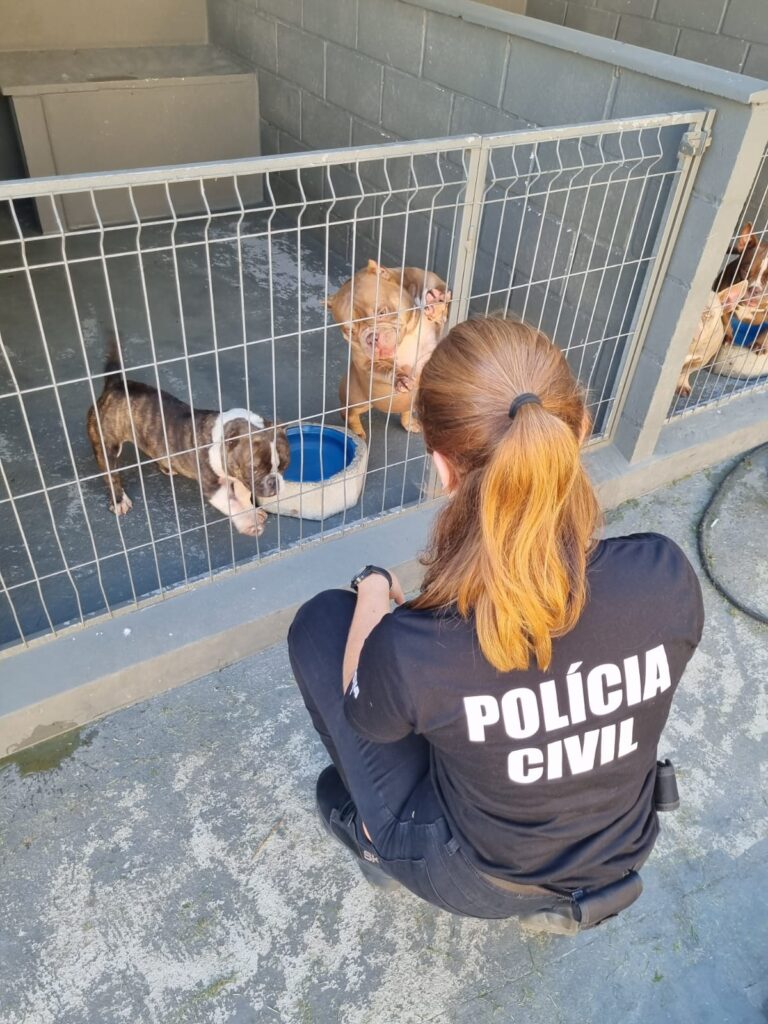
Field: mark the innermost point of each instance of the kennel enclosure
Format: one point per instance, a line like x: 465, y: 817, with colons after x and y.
x: 607, y: 232
x: 560, y: 227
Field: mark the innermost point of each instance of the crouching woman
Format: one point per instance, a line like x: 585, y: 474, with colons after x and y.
x: 494, y: 741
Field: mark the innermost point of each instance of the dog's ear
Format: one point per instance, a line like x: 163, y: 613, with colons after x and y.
x: 745, y: 238
x: 730, y: 297
x: 376, y: 268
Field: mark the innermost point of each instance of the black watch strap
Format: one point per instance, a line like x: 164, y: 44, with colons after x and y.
x: 370, y: 570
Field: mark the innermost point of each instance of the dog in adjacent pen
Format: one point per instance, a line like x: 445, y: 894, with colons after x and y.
x: 739, y: 289
x: 749, y: 266
x: 235, y: 455
x: 392, y: 318
x: 710, y: 333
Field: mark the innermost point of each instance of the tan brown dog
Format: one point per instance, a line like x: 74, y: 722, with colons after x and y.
x: 236, y: 450
x: 392, y: 318
x: 710, y: 333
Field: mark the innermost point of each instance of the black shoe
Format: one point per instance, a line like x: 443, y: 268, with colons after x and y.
x: 339, y: 816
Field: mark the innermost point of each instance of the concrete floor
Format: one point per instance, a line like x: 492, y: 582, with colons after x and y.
x: 165, y: 864
x: 77, y: 524
x: 708, y: 387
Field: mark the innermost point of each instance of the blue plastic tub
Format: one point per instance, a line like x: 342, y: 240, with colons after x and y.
x: 306, y: 466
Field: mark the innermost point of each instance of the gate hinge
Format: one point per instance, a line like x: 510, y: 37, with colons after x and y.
x: 694, y: 142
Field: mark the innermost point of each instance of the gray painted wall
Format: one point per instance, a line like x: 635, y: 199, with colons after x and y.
x: 730, y: 34
x: 11, y: 163
x: 80, y: 24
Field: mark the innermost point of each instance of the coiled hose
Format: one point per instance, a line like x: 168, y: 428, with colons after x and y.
x: 708, y: 516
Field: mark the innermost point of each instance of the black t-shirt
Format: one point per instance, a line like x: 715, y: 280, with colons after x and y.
x: 546, y: 778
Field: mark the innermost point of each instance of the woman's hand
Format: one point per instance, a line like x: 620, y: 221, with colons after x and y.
x: 373, y: 598
x: 377, y: 583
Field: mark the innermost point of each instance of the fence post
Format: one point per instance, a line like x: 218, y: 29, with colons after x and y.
x: 466, y: 254
x: 466, y: 246
x: 728, y: 169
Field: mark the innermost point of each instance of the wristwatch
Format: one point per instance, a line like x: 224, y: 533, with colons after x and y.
x: 370, y: 570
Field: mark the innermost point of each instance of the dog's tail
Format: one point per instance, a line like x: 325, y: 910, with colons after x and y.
x: 113, y: 364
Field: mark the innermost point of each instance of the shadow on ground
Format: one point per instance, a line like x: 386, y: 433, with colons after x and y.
x: 165, y: 865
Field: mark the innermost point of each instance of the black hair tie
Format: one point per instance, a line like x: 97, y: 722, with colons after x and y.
x: 524, y: 399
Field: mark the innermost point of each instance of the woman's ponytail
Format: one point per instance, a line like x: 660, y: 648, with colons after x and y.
x: 524, y: 592
x: 512, y: 544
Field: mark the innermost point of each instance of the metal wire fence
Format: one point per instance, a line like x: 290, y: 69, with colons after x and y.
x: 728, y: 355
x: 215, y: 282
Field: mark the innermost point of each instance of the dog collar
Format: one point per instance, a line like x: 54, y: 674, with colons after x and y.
x: 216, y: 450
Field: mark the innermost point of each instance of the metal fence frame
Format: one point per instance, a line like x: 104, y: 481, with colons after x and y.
x: 480, y: 150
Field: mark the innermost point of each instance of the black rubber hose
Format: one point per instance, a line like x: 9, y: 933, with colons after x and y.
x: 706, y: 562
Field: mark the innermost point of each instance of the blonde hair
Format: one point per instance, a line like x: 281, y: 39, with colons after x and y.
x: 511, y: 546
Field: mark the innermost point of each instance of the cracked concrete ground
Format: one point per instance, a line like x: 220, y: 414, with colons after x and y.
x: 165, y: 864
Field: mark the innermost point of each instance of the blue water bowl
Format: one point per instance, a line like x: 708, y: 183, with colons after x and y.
x: 745, y: 334
x: 318, y: 453
x: 325, y: 474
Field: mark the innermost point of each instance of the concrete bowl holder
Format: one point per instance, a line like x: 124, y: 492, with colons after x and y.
x: 316, y: 497
x: 736, y: 361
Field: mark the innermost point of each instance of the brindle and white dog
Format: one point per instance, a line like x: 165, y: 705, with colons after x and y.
x: 237, y: 451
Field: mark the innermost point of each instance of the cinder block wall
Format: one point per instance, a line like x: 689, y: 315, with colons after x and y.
x: 731, y: 34
x: 335, y: 73
x: 338, y: 73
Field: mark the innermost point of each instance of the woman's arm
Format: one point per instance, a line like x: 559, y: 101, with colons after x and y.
x: 373, y: 597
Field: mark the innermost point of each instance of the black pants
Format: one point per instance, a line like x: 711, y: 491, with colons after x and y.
x: 391, y: 783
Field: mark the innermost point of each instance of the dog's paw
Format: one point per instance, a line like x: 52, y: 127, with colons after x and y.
x: 121, y: 507
x: 404, y: 382
x: 251, y: 522
x: 683, y: 390
x: 436, y: 305
x: 354, y: 423
x: 410, y: 423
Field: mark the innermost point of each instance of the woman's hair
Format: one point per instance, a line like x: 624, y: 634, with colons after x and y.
x: 511, y: 545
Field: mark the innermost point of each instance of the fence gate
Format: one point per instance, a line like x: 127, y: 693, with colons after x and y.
x: 214, y: 280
